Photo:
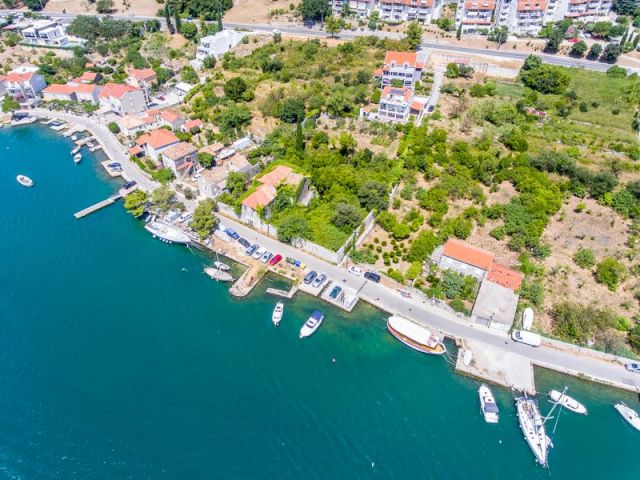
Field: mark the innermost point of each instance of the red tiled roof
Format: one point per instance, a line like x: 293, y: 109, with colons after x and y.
x: 276, y: 176
x: 87, y: 77
x: 262, y: 197
x: 135, y: 150
x: 169, y: 116
x: 417, y: 106
x: 117, y: 90
x: 68, y: 89
x: 480, y: 5
x: 17, y: 77
x: 157, y: 138
x: 465, y: 253
x: 179, y: 150
x: 411, y: 3
x: 505, y: 276
x: 190, y: 124
x: 143, y: 74
x: 400, y: 58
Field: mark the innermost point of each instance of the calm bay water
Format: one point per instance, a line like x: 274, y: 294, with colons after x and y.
x: 120, y: 359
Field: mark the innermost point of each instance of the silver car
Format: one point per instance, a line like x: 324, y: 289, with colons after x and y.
x: 633, y: 367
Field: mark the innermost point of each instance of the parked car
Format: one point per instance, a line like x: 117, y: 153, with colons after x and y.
x: 633, y: 367
x: 528, y: 338
x: 249, y: 251
x: 130, y: 184
x: 275, y: 260
x: 266, y: 257
x: 245, y: 243
x: 319, y: 280
x: 374, y: 277
x: 355, y: 270
x: 232, y: 233
x: 258, y: 253
x: 335, y: 291
x: 309, y: 277
x: 114, y: 165
x: 431, y: 108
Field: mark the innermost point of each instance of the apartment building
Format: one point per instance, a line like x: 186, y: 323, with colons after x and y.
x: 475, y: 15
x: 586, y: 10
x: 24, y: 84
x: 142, y: 78
x: 122, y: 99
x: 361, y: 8
x: 402, y: 66
x: 530, y: 16
x: 397, y: 105
x: 407, y: 10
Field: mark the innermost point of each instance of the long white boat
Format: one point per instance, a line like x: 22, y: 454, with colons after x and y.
x: 488, y: 405
x: 629, y: 414
x: 217, y: 274
x: 312, y: 324
x: 278, y: 311
x: 415, y: 336
x: 567, y: 402
x: 532, y: 426
x: 167, y: 233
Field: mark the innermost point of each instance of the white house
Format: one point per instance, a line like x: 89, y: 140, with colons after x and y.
x: 143, y: 78
x: 24, y: 84
x: 72, y: 92
x: 397, y: 105
x: 407, y: 10
x: 361, y: 8
x: 47, y: 32
x: 402, y: 66
x: 122, y: 99
x: 218, y: 44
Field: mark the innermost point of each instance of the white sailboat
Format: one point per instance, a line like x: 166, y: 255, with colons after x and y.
x: 222, y: 266
x: 567, y: 402
x: 488, y: 405
x: 532, y: 426
x: 629, y: 414
x: 278, y: 311
x: 219, y: 275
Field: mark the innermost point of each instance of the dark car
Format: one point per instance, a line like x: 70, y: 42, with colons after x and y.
x: 374, y: 277
x: 430, y: 109
x: 309, y: 277
x: 232, y: 233
x: 114, y: 164
x: 130, y: 184
x: 244, y: 242
x: 335, y: 291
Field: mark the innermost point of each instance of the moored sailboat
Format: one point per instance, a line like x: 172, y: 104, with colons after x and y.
x: 629, y: 414
x: 532, y: 426
x: 567, y: 402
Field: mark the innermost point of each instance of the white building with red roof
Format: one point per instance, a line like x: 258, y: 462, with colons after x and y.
x: 142, y: 78
x: 180, y: 158
x: 405, y: 67
x: 156, y: 142
x: 407, y: 10
x: 122, y: 99
x: 475, y: 15
x: 360, y: 8
x: 586, y: 10
x: 24, y: 84
x: 75, y: 92
x: 397, y: 105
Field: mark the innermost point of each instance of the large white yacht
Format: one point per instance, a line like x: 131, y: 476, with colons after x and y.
x: 629, y: 414
x: 278, y: 311
x: 415, y: 336
x: 312, y: 324
x: 488, y: 404
x: 532, y: 426
x: 166, y: 233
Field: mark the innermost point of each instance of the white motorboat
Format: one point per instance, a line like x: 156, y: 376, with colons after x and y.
x: 166, y: 233
x: 629, y: 414
x: 278, y: 311
x: 488, y: 405
x: 77, y: 157
x: 75, y: 150
x: 527, y: 318
x: 24, y: 181
x: 218, y: 274
x: 415, y: 336
x: 532, y: 426
x: 222, y: 266
x: 312, y: 324
x: 567, y: 402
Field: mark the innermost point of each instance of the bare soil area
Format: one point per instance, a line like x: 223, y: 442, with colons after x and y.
x: 258, y: 11
x: 11, y: 57
x: 147, y: 8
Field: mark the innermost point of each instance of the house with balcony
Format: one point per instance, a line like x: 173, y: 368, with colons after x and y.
x: 142, y: 78
x: 72, y: 92
x: 398, y: 105
x: 180, y: 158
x: 475, y: 15
x: 216, y: 46
x: 156, y: 142
x: 586, y: 10
x: 530, y: 17
x: 407, y: 10
x: 360, y: 8
x: 122, y: 99
x: 404, y: 67
x: 24, y: 84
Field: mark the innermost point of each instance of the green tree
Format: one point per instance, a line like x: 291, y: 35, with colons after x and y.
x: 233, y: 119
x: 584, y: 258
x: 594, y: 51
x: 105, y: 6
x: 422, y: 246
x: 611, y: 53
x: 346, y: 216
x: 234, y: 88
x: 332, y: 25
x: 348, y: 144
x: 611, y: 273
x: 237, y: 183
x: 113, y: 128
x: 204, y: 221
x: 452, y: 70
x: 167, y: 19
x: 135, y: 202
x: 293, y: 227
x: 413, y: 35
x: 206, y: 159
x: 499, y: 35
x: 314, y: 10
x: 177, y: 19
x: 291, y: 110
x: 299, y: 138
x: 163, y: 198
x: 9, y: 104
x: 190, y: 31
x: 578, y: 49
x: 373, y: 195
x: 545, y: 79
x: 459, y: 32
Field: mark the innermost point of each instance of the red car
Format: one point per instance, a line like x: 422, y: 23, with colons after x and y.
x: 275, y: 260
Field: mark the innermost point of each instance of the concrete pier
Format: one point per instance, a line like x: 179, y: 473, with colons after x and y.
x: 97, y: 206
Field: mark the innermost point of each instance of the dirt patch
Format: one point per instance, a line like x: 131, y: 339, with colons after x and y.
x: 600, y: 230
x: 11, y: 57
x: 258, y: 11
x: 135, y: 7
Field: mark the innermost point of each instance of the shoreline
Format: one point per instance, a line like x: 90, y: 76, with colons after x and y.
x: 448, y: 325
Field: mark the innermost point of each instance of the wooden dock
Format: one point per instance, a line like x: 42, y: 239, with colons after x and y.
x: 97, y: 206
x: 283, y: 293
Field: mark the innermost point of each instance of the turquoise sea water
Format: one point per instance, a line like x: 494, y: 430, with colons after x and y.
x: 120, y: 359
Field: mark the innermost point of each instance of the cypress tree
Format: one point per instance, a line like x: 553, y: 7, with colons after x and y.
x: 299, y: 138
x: 176, y: 16
x: 459, y: 32
x: 167, y: 17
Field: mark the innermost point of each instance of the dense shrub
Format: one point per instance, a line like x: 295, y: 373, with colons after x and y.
x: 584, y: 258
x: 611, y: 273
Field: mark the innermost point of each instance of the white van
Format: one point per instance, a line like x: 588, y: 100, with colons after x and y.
x: 528, y: 338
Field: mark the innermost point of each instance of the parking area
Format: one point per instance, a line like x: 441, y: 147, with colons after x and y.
x: 340, y: 295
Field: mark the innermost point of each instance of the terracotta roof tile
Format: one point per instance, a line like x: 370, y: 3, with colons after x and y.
x: 505, y: 276
x: 262, y: 197
x: 157, y: 138
x: 143, y: 74
x: 400, y: 58
x: 179, y: 150
x: 465, y: 253
x: 276, y: 176
x: 117, y: 90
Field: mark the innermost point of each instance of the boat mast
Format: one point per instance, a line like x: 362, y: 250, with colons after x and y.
x: 555, y: 404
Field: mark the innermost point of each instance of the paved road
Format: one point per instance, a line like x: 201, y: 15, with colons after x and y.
x: 110, y: 144
x: 422, y: 311
x: 315, y: 31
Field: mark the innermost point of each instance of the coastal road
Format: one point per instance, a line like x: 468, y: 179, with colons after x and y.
x: 110, y: 144
x: 422, y: 311
x: 316, y: 32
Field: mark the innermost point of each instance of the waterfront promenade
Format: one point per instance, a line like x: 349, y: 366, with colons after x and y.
x: 110, y: 144
x: 422, y: 311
